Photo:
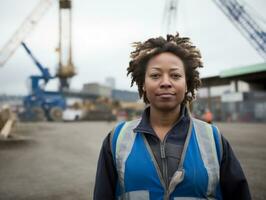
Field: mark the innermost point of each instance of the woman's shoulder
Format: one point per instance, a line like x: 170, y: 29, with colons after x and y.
x: 202, y: 122
x: 132, y: 123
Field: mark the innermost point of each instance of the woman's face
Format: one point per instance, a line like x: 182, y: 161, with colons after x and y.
x: 165, y: 82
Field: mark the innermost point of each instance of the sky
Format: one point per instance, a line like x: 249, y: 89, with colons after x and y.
x: 103, y: 32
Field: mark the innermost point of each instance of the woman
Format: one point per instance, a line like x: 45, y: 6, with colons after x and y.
x: 167, y: 154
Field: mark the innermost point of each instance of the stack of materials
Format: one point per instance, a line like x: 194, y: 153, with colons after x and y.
x: 7, y: 121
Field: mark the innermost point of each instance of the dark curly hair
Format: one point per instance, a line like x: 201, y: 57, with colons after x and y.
x: 179, y: 46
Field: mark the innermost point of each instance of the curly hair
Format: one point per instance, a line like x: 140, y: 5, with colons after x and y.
x: 179, y: 46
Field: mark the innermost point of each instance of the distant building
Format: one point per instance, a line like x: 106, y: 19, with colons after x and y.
x: 238, y: 94
x: 110, y: 82
x: 97, y: 89
x: 124, y: 95
x: 11, y: 100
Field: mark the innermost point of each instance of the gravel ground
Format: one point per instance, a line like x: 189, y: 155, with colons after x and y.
x: 58, y: 160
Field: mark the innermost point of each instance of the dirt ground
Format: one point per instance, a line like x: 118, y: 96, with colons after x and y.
x: 58, y: 160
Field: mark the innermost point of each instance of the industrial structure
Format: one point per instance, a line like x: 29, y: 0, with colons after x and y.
x: 100, y: 90
x: 40, y: 104
x: 58, y: 161
x: 66, y: 69
x: 49, y: 105
x: 236, y: 13
x: 237, y: 94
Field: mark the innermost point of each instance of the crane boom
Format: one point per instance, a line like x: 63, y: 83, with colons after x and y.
x: 28, y: 24
x: 170, y: 12
x: 44, y: 71
x: 245, y: 24
x: 66, y: 69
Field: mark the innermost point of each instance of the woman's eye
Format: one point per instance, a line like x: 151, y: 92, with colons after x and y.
x: 155, y: 76
x: 175, y: 76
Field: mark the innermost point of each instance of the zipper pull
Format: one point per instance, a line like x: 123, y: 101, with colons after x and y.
x: 163, y: 151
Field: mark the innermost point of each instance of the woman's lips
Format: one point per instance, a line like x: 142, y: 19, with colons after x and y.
x: 165, y: 95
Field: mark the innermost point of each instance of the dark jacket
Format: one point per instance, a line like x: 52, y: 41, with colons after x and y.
x: 232, y: 179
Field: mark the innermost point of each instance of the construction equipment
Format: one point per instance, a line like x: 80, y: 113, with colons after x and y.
x: 236, y: 13
x: 40, y: 105
x: 169, y: 18
x: 100, y: 109
x: 66, y: 68
x: 27, y: 26
x: 243, y: 21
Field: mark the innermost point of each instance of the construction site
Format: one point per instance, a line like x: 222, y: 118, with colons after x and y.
x: 50, y: 137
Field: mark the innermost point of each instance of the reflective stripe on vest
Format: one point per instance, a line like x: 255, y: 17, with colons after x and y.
x: 136, y: 195
x: 206, y: 143
x: 208, y: 152
x: 124, y: 145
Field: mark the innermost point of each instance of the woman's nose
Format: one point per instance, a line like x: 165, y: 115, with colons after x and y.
x: 165, y: 83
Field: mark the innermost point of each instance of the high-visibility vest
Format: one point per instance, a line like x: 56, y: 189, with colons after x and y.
x: 139, y: 177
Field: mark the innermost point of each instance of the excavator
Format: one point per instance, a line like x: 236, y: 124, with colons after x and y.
x: 40, y: 104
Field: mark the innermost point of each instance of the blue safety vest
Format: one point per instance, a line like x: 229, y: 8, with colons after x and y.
x: 139, y: 177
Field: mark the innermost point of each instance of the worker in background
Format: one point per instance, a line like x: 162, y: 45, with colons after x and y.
x: 207, y: 116
x: 167, y: 154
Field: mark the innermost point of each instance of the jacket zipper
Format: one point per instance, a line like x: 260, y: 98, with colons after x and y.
x: 164, y: 166
x: 164, y: 163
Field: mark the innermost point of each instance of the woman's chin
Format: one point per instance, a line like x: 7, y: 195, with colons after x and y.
x: 167, y: 107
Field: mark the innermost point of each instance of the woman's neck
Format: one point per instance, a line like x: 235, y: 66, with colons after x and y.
x: 162, y: 121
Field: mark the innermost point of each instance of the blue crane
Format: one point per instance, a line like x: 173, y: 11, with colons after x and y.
x: 236, y: 13
x: 243, y: 21
x: 41, y: 104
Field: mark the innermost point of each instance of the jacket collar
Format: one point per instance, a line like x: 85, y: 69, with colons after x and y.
x: 145, y: 127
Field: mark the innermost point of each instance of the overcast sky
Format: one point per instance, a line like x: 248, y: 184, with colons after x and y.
x: 104, y: 30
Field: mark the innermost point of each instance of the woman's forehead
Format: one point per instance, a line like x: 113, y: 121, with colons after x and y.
x: 166, y: 61
x: 165, y: 58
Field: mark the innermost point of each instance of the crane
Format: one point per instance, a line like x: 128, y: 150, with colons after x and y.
x: 41, y: 104
x: 237, y: 14
x: 66, y: 69
x: 170, y: 11
x: 65, y: 65
x: 26, y: 27
x: 243, y: 21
